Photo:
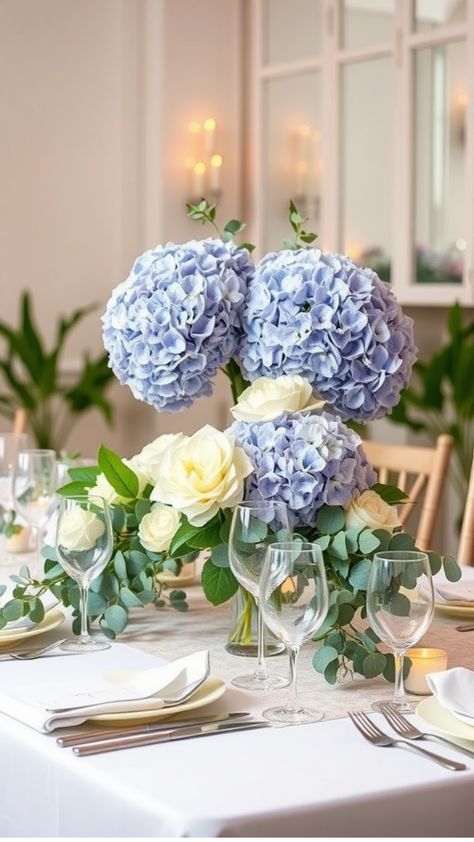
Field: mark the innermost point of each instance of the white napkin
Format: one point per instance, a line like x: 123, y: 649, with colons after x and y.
x: 92, y: 688
x: 455, y: 592
x: 454, y: 690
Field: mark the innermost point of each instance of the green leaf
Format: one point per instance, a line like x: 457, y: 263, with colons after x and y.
x: 391, y: 494
x: 87, y: 474
x: 374, y: 664
x: 435, y: 562
x: 129, y: 599
x: 368, y: 542
x: 36, y: 611
x: 219, y: 583
x: 344, y: 596
x: 25, y: 572
x: 116, y: 618
x: 338, y: 546
x: 120, y: 566
x: 220, y: 555
x: 183, y: 535
x: 352, y: 542
x: 323, y: 656
x: 206, y: 536
x: 118, y: 518
x: 72, y: 489
x: 336, y: 639
x: 322, y: 541
x: 451, y: 568
x: 122, y: 479
x: 96, y: 604
x: 399, y: 605
x: 384, y: 539
x: 330, y: 673
x: 330, y: 519
x: 389, y: 671
x: 345, y: 614
x: 401, y: 541
x: 359, y: 574
x: 177, y: 596
x: 12, y: 610
x: 2, y: 589
x: 142, y: 508
x: 234, y: 226
x: 136, y: 561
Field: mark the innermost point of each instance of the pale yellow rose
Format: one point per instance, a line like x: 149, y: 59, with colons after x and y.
x: 79, y: 529
x: 201, y: 474
x: 369, y: 510
x: 158, y: 527
x: 103, y: 488
x: 268, y: 397
x: 148, y: 459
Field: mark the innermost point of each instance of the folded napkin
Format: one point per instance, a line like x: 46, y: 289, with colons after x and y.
x: 68, y: 690
x: 454, y: 690
x: 455, y: 592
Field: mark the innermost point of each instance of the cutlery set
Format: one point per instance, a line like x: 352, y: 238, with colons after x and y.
x: 404, y: 729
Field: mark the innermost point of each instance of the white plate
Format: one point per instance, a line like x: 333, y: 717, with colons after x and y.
x: 438, y: 718
x: 210, y: 690
x: 51, y: 619
x: 465, y: 611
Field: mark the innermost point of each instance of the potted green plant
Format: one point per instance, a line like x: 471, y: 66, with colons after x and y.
x: 32, y: 378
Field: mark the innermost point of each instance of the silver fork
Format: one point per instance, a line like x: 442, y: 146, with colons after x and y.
x: 404, y: 728
x: 30, y: 654
x: 377, y: 738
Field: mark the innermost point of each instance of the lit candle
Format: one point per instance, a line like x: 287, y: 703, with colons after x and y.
x: 199, y: 171
x: 423, y: 662
x: 209, y: 134
x: 216, y: 164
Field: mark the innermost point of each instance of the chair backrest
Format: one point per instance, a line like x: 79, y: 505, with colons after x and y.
x: 20, y: 422
x: 417, y: 469
x: 466, y: 540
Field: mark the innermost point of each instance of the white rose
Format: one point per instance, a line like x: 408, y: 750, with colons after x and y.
x: 201, y: 474
x: 148, y: 459
x: 103, y: 488
x: 158, y: 527
x: 268, y: 397
x: 79, y: 529
x: 368, y: 509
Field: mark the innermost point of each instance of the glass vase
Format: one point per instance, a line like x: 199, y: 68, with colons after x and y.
x: 243, y: 636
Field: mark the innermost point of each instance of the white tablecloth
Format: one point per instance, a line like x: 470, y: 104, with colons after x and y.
x: 313, y: 780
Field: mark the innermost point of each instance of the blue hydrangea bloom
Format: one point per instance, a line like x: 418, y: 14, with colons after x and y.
x: 319, y: 315
x: 176, y: 319
x: 305, y: 461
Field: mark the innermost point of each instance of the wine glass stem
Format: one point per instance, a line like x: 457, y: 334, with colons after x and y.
x: 261, y: 671
x: 83, y: 590
x: 292, y: 692
x: 399, y: 692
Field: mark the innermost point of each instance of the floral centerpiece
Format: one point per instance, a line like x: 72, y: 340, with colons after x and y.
x: 309, y: 341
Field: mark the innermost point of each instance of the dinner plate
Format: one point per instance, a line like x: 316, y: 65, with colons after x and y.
x: 464, y: 611
x: 210, y: 690
x: 52, y: 618
x: 442, y: 720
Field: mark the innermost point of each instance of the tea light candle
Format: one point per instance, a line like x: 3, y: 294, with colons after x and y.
x: 424, y: 661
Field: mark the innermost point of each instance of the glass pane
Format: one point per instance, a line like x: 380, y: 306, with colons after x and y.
x: 367, y: 154
x: 367, y: 22
x: 292, y: 153
x: 440, y: 157
x: 432, y: 13
x: 292, y: 30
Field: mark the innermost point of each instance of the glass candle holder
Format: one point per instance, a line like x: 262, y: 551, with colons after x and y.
x: 423, y: 662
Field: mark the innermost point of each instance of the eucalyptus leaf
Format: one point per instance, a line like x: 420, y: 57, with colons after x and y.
x: 359, y: 574
x: 373, y: 665
x: 451, y: 568
x: 220, y: 555
x: 116, y: 618
x: 323, y: 656
x: 330, y: 519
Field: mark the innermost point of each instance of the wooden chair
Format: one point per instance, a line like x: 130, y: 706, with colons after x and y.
x: 466, y: 540
x: 427, y: 465
x: 20, y: 422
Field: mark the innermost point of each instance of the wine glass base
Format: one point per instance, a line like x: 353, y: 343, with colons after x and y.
x: 255, y: 684
x: 404, y: 705
x: 78, y: 646
x: 284, y: 716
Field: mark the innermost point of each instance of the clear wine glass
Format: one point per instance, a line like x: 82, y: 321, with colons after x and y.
x: 294, y: 600
x: 400, y: 609
x: 254, y: 524
x: 84, y: 545
x: 10, y: 446
x: 34, y: 488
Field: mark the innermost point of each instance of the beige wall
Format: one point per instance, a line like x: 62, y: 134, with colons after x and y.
x: 95, y: 99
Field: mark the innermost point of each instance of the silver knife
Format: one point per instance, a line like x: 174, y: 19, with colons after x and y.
x: 106, y: 734
x: 208, y: 730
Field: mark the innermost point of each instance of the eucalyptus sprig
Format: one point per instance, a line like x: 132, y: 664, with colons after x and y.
x: 302, y: 239
x: 204, y: 212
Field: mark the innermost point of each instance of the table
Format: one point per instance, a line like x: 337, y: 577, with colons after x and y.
x: 313, y: 780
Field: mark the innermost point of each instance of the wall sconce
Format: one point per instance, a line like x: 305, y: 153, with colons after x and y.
x: 458, y: 117
x: 307, y: 168
x: 204, y: 164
